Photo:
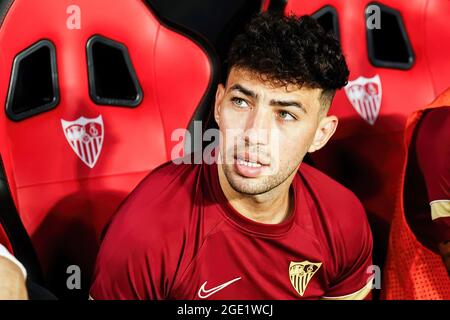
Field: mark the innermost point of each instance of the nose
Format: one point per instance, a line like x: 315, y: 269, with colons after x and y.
x: 258, y: 127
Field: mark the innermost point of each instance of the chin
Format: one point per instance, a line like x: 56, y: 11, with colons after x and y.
x: 249, y: 186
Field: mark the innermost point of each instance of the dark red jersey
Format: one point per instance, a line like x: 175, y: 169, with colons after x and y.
x: 433, y: 154
x: 177, y: 237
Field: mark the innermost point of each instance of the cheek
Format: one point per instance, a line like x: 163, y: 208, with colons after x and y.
x: 231, y: 118
x: 231, y: 124
x: 295, y: 142
x: 230, y: 131
x: 291, y: 148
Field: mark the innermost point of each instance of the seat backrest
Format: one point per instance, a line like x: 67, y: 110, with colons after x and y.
x: 398, y: 60
x: 93, y: 92
x: 389, y: 59
x: 402, y: 59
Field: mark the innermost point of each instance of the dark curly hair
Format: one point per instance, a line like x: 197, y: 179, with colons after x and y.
x: 288, y: 50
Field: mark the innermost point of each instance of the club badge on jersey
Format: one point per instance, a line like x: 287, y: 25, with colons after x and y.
x: 365, y: 96
x: 301, y: 273
x: 85, y: 137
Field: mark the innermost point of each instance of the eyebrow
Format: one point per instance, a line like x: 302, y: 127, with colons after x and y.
x: 275, y: 103
x: 287, y: 103
x: 245, y: 91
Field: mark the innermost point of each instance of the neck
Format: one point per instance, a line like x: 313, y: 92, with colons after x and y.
x: 271, y: 207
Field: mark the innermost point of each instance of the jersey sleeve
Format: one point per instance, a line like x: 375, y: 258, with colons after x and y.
x: 440, y: 212
x: 142, y: 247
x: 433, y: 154
x: 126, y: 268
x: 353, y: 277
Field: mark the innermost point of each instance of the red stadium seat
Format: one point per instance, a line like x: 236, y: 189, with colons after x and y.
x: 393, y: 71
x: 93, y: 93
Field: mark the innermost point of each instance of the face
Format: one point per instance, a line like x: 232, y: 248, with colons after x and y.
x: 267, y: 130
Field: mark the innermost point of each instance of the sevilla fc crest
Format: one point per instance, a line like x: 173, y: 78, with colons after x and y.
x: 365, y: 96
x: 301, y: 273
x: 85, y: 137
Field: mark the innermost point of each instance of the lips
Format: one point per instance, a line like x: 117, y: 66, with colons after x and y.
x: 253, y: 158
x: 249, y: 166
x: 248, y: 163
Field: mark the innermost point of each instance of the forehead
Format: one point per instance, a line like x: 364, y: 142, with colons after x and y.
x: 260, y: 85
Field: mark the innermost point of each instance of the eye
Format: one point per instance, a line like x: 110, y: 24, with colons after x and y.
x: 238, y: 102
x: 286, y: 116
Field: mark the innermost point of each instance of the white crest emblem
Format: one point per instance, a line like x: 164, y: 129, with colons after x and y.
x: 365, y: 96
x: 85, y: 137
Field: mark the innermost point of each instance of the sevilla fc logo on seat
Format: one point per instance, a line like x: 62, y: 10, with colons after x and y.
x: 85, y: 137
x: 365, y: 96
x: 301, y: 273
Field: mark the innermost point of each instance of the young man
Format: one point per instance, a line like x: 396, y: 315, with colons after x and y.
x: 259, y: 224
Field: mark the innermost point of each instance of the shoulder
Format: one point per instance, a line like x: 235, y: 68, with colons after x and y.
x: 161, y: 201
x: 331, y: 194
x: 341, y: 214
x: 144, y: 241
x: 342, y: 228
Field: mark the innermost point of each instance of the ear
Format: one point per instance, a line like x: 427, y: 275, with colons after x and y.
x: 325, y: 130
x: 218, y: 103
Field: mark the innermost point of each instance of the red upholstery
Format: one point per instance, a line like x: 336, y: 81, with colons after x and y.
x: 368, y: 158
x: 424, y: 21
x: 4, y: 239
x: 63, y: 203
x: 265, y: 5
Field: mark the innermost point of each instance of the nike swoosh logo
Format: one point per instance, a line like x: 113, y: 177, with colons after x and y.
x: 203, y: 293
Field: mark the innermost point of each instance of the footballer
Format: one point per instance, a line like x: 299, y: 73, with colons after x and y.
x: 257, y: 223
